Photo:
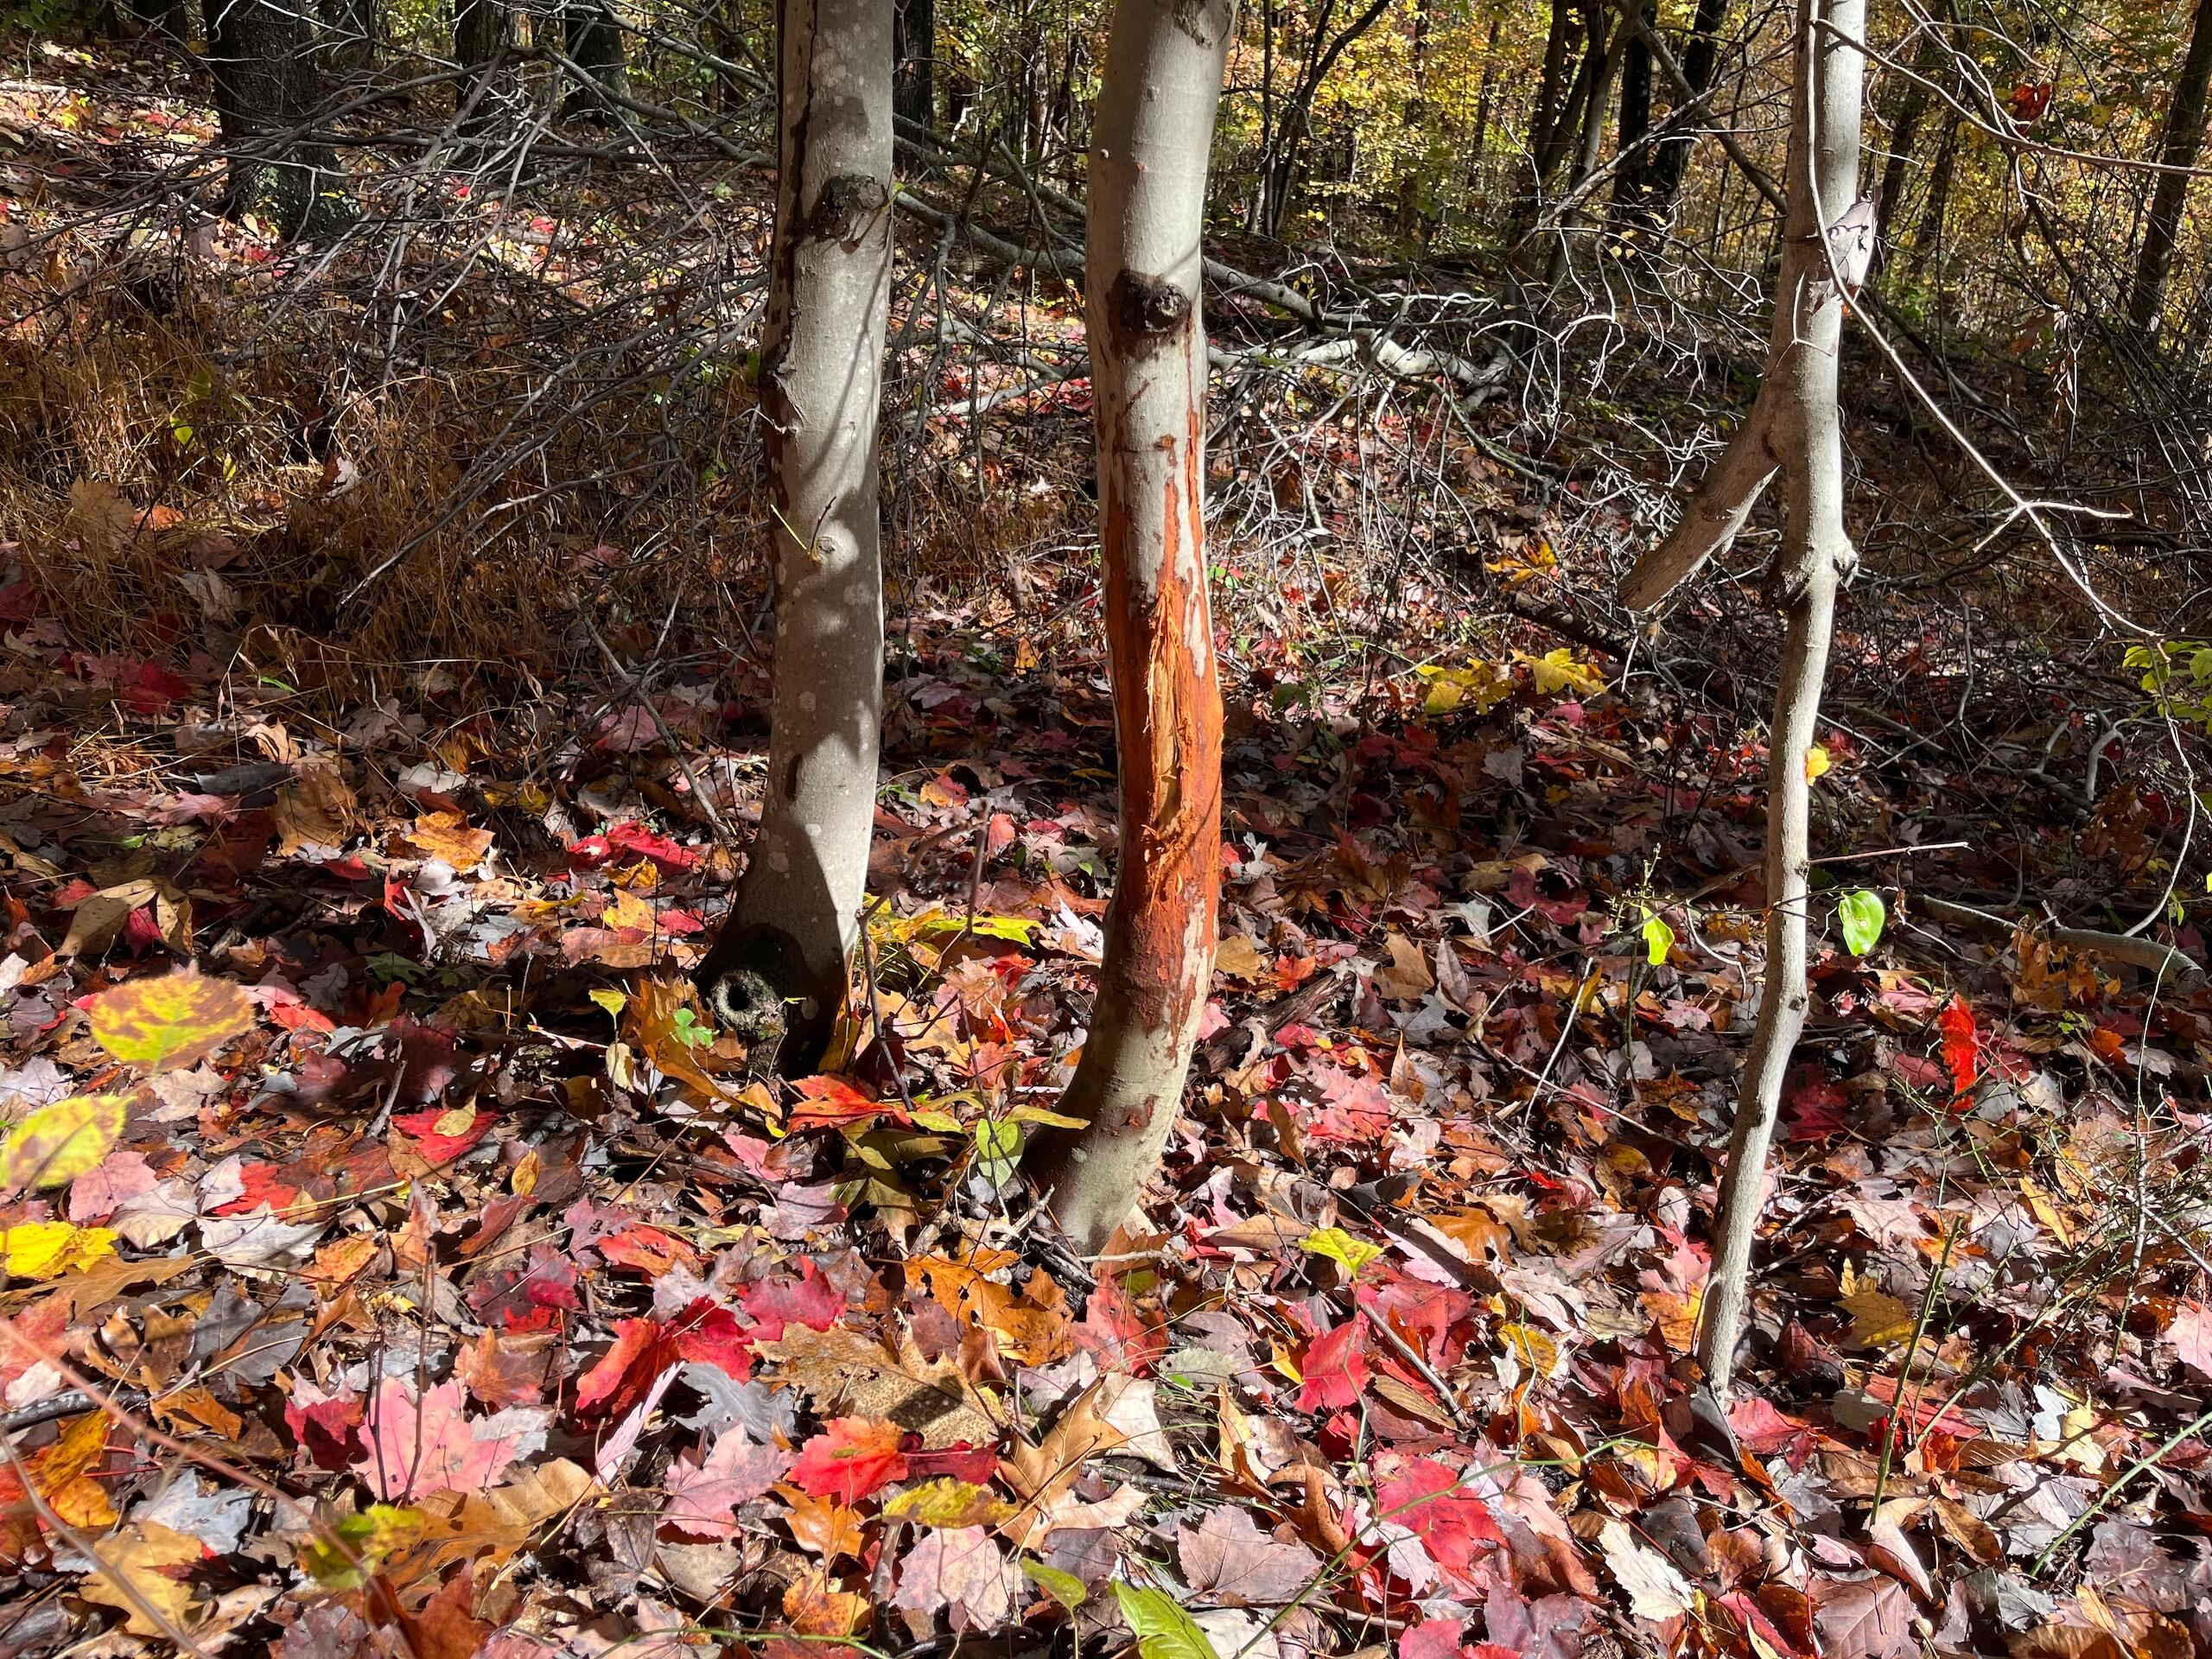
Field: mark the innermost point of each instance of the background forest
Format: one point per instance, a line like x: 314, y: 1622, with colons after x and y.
x: 398, y: 1256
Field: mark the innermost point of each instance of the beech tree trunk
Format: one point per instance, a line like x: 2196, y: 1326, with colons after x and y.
x: 777, y: 975
x: 2185, y: 138
x: 1154, y: 128
x: 261, y: 58
x: 1793, y: 427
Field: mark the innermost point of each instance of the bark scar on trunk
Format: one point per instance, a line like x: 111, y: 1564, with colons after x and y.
x: 848, y: 205
x: 1146, y: 309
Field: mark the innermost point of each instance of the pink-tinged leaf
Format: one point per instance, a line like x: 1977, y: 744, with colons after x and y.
x: 960, y: 1572
x: 409, y: 1451
x: 852, y: 1458
x: 810, y: 1299
x: 1335, y: 1367
x: 1761, y: 1429
x: 627, y: 1371
x: 1227, y: 1557
x: 1435, y: 1505
x: 97, y: 1194
x: 647, y: 1249
x: 1433, y: 1638
x: 2191, y: 1336
x: 704, y: 1498
x: 972, y: 1463
x: 440, y: 1136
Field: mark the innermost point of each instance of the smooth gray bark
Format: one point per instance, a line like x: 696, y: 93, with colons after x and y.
x: 795, y: 924
x: 1794, y: 428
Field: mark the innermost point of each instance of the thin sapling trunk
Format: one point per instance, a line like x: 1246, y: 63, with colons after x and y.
x: 1155, y: 118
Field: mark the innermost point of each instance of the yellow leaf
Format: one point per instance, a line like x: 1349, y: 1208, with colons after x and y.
x: 946, y: 1502
x: 59, y: 1473
x: 1479, y: 682
x: 446, y: 837
x: 1816, y: 762
x: 172, y: 1022
x: 47, y: 1249
x: 147, y: 1557
x: 57, y: 1143
x: 1878, y: 1320
x: 1557, y: 671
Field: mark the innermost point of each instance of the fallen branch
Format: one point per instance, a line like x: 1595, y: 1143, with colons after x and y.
x: 2147, y: 954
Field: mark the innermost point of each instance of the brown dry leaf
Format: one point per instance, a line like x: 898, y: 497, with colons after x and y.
x: 1032, y: 1327
x: 1888, y: 1548
x: 822, y: 1526
x: 315, y: 810
x: 151, y: 1560
x: 1864, y: 1618
x: 195, y: 1407
x: 446, y: 837
x: 1239, y: 958
x: 1656, y: 1590
x: 844, y: 1372
x: 1045, y: 1471
x: 541, y: 1492
x: 650, y: 1026
x: 1407, y: 976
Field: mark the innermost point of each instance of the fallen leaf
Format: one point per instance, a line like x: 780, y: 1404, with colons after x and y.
x: 169, y: 1023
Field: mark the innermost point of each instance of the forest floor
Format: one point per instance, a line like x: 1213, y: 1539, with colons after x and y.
x: 427, y: 1276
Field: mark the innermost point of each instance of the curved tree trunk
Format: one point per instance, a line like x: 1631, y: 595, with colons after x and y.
x: 1793, y: 427
x: 261, y: 57
x: 777, y: 976
x: 1163, y: 66
x: 2185, y: 138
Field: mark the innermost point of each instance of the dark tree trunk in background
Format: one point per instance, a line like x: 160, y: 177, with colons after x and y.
x: 595, y: 47
x: 349, y: 36
x: 1632, y: 184
x: 2184, y: 137
x: 162, y: 17
x: 914, y: 45
x: 1485, y: 97
x: 1551, y: 90
x: 1281, y: 166
x: 1928, y: 61
x: 1415, y: 182
x: 1670, y: 163
x: 479, y: 41
x: 1929, y: 233
x: 261, y: 56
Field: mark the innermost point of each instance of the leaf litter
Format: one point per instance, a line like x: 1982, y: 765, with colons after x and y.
x: 399, y: 1261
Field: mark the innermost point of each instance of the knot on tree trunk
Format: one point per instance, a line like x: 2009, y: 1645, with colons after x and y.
x: 848, y: 204
x: 1145, y: 309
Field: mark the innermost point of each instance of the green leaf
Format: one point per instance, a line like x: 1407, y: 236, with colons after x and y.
x: 998, y: 1150
x: 1163, y: 1630
x: 1658, y: 938
x: 169, y: 1023
x: 1862, y: 913
x: 1340, y: 1247
x: 1063, y: 1587
x: 375, y: 1533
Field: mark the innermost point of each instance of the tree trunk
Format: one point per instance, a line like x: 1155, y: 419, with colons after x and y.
x: 1633, y: 183
x: 1551, y: 89
x: 1929, y: 60
x: 1700, y: 62
x: 1154, y: 129
x: 913, y: 36
x: 261, y: 57
x: 594, y: 46
x: 162, y: 17
x: 778, y: 973
x: 349, y: 36
x: 2184, y: 137
x: 1298, y: 114
x: 1793, y: 427
x: 1928, y: 235
x: 1484, y: 96
x: 479, y: 41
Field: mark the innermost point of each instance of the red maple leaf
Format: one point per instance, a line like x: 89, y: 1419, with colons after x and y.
x: 852, y: 1458
x: 642, y: 1351
x: 1435, y: 1505
x: 810, y: 1299
x: 1335, y: 1367
x: 1961, y: 1044
x: 709, y: 1335
x: 832, y: 1102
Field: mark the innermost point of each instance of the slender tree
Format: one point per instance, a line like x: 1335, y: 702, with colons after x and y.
x: 1700, y: 62
x: 1929, y: 58
x: 1793, y: 427
x: 1154, y: 128
x: 479, y: 41
x: 261, y: 58
x: 1633, y: 184
x: 2177, y: 152
x: 778, y: 973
